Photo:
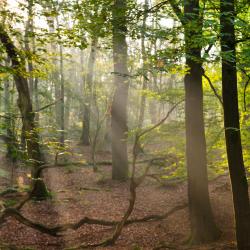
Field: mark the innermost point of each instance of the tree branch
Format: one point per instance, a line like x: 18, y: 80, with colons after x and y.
x: 161, y: 121
x: 213, y: 88
x: 245, y: 88
x: 49, y: 105
x: 156, y: 7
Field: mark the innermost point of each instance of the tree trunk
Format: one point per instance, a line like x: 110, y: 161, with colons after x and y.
x: 11, y: 141
x: 25, y: 106
x: 107, y: 136
x: 55, y: 79
x: 31, y: 49
x: 232, y: 126
x: 29, y: 28
x: 142, y: 105
x: 203, y: 227
x: 67, y: 109
x: 144, y: 67
x: 36, y: 99
x: 55, y: 73
x: 62, y: 125
x: 8, y: 120
x: 88, y: 95
x: 119, y: 105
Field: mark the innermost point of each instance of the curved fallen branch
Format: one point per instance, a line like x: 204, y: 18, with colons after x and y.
x: 156, y: 217
x: 149, y: 218
x: 55, y: 231
x: 11, y: 212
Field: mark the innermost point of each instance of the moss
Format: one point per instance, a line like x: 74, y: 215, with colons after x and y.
x: 40, y: 191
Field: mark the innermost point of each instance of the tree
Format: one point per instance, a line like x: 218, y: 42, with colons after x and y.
x: 62, y: 108
x: 203, y: 228
x: 144, y: 70
x: 10, y: 140
x: 119, y: 104
x: 88, y: 94
x: 232, y: 126
x: 25, y: 106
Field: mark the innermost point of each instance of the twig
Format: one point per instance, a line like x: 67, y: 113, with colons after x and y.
x: 49, y: 105
x: 213, y: 88
x: 245, y: 88
x: 209, y: 48
x: 15, y: 116
x: 161, y: 121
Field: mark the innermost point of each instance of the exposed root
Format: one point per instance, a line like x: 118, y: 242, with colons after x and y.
x: 11, y: 212
x: 55, y: 231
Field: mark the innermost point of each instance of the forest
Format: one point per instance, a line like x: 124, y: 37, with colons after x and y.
x: 124, y: 124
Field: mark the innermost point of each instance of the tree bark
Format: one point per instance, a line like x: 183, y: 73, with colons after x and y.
x: 203, y: 228
x: 11, y: 141
x: 36, y: 100
x: 29, y: 28
x: 30, y: 49
x: 67, y: 109
x: 62, y: 103
x: 55, y: 77
x: 144, y: 66
x: 24, y: 104
x: 119, y: 105
x: 88, y: 95
x: 232, y: 125
x: 107, y: 136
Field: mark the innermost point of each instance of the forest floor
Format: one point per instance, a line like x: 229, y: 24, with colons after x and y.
x: 78, y: 192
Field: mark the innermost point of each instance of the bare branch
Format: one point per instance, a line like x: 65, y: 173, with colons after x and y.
x: 49, y: 105
x: 161, y: 121
x: 213, y: 88
x: 245, y: 88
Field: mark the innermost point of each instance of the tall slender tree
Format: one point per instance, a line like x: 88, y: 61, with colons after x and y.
x: 144, y: 66
x: 120, y: 98
x: 88, y: 94
x: 203, y: 227
x: 62, y: 103
x: 232, y: 125
x: 29, y: 42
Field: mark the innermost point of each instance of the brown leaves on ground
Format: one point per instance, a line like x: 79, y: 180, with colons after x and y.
x: 78, y: 192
